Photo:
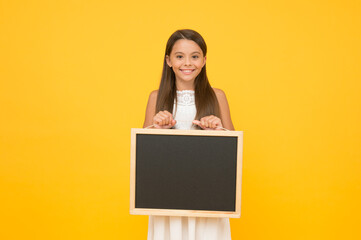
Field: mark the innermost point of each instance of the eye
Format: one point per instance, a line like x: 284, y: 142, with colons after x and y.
x: 195, y: 56
x: 179, y: 56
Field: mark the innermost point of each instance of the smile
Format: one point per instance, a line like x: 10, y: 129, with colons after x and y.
x: 187, y: 71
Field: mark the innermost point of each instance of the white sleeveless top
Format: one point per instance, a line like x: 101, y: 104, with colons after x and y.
x: 187, y: 228
x: 185, y: 110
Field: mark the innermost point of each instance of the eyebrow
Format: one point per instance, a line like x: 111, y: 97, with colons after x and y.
x: 183, y: 53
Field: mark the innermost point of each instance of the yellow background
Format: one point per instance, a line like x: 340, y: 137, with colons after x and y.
x: 75, y: 77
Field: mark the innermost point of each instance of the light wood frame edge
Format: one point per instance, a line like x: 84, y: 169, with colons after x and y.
x: 180, y: 212
x: 239, y: 173
x: 194, y: 213
x: 132, y: 168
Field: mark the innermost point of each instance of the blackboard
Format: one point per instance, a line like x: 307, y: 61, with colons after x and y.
x: 186, y: 172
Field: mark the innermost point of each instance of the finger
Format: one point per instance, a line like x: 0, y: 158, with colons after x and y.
x: 198, y: 123
x: 168, y: 116
x: 163, y: 126
x: 212, y: 121
x: 218, y: 124
x: 207, y: 122
x: 203, y: 121
x: 157, y: 120
x: 215, y: 121
x: 166, y: 112
x: 164, y: 117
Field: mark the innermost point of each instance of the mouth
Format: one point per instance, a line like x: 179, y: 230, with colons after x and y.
x: 187, y: 71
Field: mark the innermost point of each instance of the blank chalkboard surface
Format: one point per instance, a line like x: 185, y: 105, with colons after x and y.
x: 186, y: 172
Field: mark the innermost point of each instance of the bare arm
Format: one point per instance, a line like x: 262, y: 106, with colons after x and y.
x: 163, y: 119
x: 224, y: 109
x: 150, y: 111
x: 215, y: 123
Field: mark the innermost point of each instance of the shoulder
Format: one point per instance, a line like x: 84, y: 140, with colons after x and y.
x: 150, y: 110
x: 152, y: 100
x: 224, y: 109
x: 153, y: 96
x: 221, y: 96
x: 151, y: 105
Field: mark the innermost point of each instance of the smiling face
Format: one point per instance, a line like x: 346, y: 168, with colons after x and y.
x: 186, y: 60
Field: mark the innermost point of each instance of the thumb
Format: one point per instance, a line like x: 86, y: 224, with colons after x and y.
x: 196, y: 122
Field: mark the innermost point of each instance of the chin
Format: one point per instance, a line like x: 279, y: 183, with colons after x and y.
x: 187, y: 80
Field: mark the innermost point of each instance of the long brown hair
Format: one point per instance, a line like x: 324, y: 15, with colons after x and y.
x: 205, y: 98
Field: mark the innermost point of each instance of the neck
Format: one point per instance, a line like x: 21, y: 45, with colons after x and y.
x: 182, y: 85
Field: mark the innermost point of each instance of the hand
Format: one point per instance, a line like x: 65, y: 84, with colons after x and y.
x: 209, y: 123
x: 163, y: 120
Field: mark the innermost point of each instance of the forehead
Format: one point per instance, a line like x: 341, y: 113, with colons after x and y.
x: 186, y: 46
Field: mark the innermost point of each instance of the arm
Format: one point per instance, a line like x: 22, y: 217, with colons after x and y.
x: 224, y: 109
x: 150, y: 111
x: 214, y: 123
x: 163, y: 119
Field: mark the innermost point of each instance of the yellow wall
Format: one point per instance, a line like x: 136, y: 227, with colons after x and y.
x: 75, y: 77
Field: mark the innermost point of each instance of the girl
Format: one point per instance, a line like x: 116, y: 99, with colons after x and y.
x: 186, y: 100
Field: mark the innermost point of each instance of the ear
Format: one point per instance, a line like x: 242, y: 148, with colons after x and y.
x: 168, y: 61
x: 205, y: 59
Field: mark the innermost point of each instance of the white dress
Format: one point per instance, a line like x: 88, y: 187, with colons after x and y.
x: 187, y: 228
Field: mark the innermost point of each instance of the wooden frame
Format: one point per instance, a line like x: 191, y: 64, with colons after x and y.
x: 176, y: 212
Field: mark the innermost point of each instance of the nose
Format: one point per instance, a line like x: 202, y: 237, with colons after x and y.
x: 188, y: 61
